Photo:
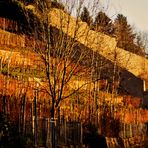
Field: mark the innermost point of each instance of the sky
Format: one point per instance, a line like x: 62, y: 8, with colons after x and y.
x: 135, y: 10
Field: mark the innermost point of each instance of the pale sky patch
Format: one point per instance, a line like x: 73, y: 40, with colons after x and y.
x: 135, y: 10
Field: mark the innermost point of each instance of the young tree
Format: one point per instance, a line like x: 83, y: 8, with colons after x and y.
x: 61, y: 55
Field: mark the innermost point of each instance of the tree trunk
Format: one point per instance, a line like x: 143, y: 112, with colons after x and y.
x: 4, y: 105
x: 35, y: 122
x: 53, y: 108
x: 24, y: 114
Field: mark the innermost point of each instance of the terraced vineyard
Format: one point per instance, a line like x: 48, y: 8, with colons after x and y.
x: 61, y: 78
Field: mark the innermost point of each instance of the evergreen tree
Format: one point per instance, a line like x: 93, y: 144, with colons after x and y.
x: 103, y: 23
x: 125, y: 36
x: 85, y: 16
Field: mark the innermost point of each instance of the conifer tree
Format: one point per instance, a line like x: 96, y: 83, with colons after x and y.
x: 124, y: 34
x: 85, y: 16
x: 103, y: 23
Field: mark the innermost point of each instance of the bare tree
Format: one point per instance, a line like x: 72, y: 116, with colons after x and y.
x: 142, y: 41
x: 61, y: 56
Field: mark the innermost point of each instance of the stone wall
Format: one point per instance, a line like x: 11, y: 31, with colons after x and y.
x: 103, y: 44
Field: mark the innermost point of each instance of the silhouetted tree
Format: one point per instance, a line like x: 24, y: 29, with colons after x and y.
x: 103, y: 23
x: 125, y: 36
x: 85, y: 16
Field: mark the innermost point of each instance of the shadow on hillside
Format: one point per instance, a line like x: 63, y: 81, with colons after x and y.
x: 92, y: 139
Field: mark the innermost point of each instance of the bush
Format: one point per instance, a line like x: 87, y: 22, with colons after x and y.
x: 10, y: 136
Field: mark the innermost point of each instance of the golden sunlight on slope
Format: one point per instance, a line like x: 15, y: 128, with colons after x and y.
x: 103, y: 44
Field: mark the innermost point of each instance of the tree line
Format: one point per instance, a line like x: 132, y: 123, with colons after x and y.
x: 125, y: 35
